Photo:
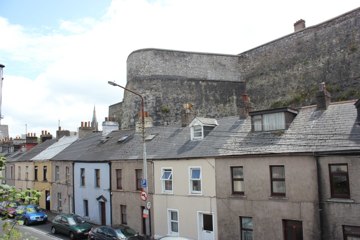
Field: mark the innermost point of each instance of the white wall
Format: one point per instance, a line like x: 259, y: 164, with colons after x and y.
x: 90, y: 192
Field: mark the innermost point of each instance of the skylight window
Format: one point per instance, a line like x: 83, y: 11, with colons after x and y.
x: 123, y: 138
x: 150, y: 137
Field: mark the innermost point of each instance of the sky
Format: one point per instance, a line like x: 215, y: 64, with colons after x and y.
x: 60, y: 54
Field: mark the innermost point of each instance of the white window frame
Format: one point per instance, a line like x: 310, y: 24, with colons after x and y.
x: 164, y: 179
x: 191, y: 191
x: 170, y: 232
x: 198, y: 128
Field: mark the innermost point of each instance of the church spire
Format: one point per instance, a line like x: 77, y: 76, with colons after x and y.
x: 94, y: 123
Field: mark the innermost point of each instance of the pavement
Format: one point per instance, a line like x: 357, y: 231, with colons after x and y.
x: 51, y: 215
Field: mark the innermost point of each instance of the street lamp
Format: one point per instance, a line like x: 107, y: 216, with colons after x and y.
x: 145, y: 177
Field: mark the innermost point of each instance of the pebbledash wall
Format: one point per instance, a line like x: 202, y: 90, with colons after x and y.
x: 283, y: 72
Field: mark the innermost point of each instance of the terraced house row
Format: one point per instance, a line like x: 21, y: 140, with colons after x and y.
x: 274, y: 174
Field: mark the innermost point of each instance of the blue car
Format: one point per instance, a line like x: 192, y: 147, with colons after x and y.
x: 31, y: 214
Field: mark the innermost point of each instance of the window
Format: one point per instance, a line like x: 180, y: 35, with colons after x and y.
x: 86, y: 208
x: 201, y: 127
x: 273, y: 119
x: 138, y: 174
x: 12, y: 174
x: 97, y: 178
x: 173, y: 222
x: 118, y: 179
x: 123, y: 214
x: 19, y: 172
x: 67, y: 175
x: 292, y: 230
x: 82, y: 176
x: 277, y: 174
x: 207, y: 222
x: 166, y: 179
x: 197, y: 131
x: 246, y: 228
x: 45, y: 173
x: 195, y: 180
x: 59, y: 201
x: 36, y: 173
x: 57, y: 173
x: 339, y: 181
x: 351, y: 232
x: 26, y: 172
x: 237, y: 176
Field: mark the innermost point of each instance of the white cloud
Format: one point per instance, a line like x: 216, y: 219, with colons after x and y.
x: 71, y: 64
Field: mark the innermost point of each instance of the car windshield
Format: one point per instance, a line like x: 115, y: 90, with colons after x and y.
x: 75, y: 220
x: 32, y: 209
x: 125, y: 232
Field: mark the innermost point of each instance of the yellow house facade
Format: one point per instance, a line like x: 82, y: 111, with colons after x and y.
x: 24, y: 175
x: 42, y: 182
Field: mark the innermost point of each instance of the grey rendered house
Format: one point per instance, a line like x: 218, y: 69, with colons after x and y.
x: 283, y: 179
x: 126, y: 148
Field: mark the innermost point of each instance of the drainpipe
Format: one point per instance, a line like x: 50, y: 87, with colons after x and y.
x: 321, y: 205
x: 73, y: 188
x: 110, y: 189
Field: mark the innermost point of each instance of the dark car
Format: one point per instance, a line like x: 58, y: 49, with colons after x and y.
x: 8, y: 209
x: 31, y: 214
x: 116, y: 232
x: 71, y: 225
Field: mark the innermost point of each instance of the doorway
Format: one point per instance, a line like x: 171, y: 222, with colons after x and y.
x: 292, y: 230
x: 103, y: 213
x: 47, y: 200
x: 206, y: 226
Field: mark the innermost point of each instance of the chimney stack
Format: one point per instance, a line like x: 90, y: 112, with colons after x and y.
x: 45, y: 135
x: 245, y: 106
x: 187, y: 114
x: 322, y: 98
x: 357, y: 105
x: 299, y: 25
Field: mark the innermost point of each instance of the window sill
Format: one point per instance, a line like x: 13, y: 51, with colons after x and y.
x: 340, y: 200
x: 167, y: 193
x: 238, y: 196
x: 281, y: 198
x: 195, y: 194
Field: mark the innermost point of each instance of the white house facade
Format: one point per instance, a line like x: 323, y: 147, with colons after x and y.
x: 184, y: 198
x: 92, y: 192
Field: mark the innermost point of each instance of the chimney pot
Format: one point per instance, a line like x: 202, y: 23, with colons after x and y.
x: 299, y: 25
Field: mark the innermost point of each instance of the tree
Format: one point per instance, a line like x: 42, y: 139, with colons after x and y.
x: 11, y: 194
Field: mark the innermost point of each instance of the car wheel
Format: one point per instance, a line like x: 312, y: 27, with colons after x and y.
x: 26, y: 222
x: 72, y: 235
x: 53, y: 230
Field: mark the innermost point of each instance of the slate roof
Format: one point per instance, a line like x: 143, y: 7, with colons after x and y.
x: 27, y: 155
x: 334, y: 129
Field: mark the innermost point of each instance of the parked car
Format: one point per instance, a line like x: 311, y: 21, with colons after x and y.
x: 173, y: 238
x: 122, y: 232
x: 8, y: 209
x: 31, y: 214
x: 71, y: 225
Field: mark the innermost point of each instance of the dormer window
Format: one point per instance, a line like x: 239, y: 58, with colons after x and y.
x: 272, y: 120
x: 201, y: 127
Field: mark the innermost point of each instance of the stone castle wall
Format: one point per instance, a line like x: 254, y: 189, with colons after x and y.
x: 284, y: 72
x: 288, y: 70
x: 169, y: 79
